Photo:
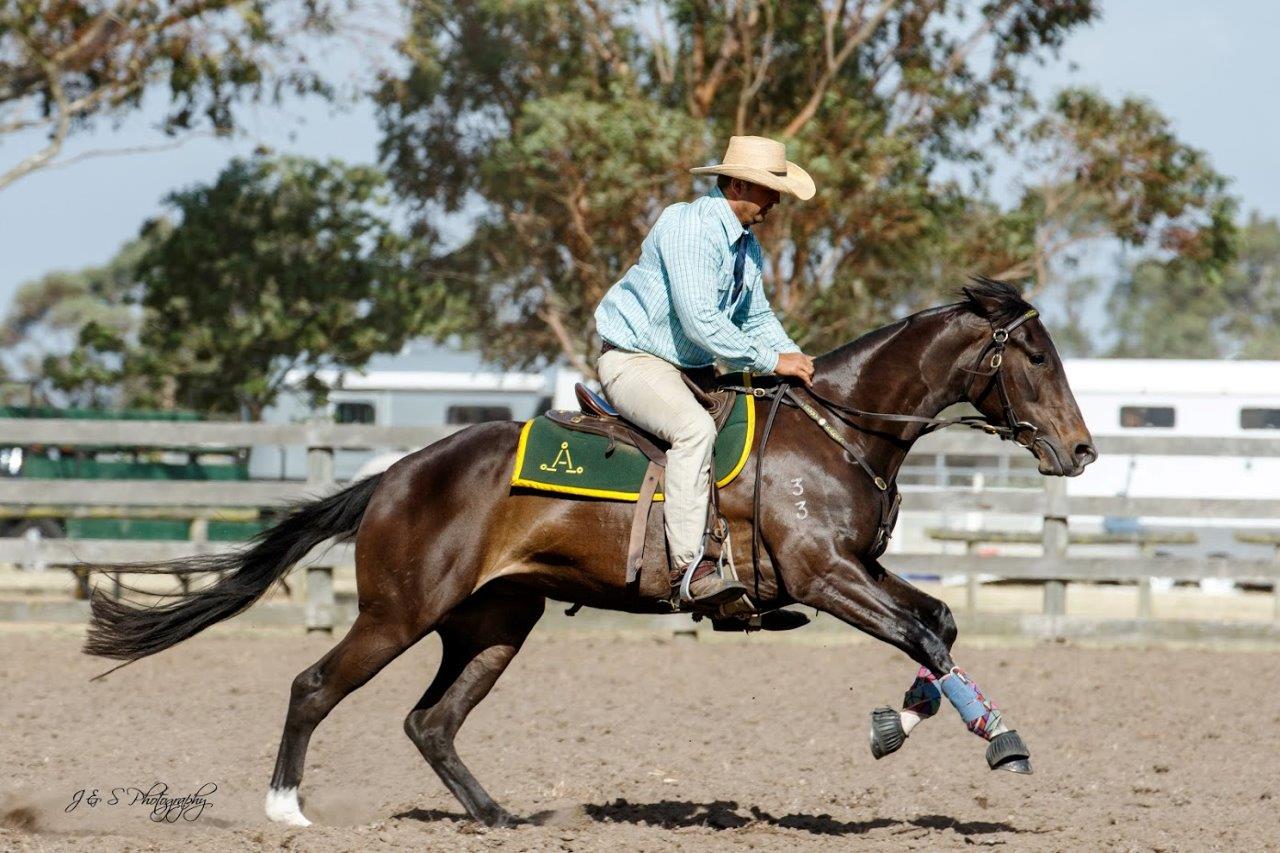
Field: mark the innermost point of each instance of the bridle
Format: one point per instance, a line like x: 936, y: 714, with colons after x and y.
x: 1013, y: 429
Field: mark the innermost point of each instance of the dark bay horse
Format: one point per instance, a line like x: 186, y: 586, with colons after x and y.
x: 443, y: 543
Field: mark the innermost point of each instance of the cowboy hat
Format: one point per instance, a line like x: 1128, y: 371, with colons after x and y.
x: 762, y: 161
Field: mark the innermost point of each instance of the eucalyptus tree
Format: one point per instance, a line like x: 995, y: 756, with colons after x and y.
x: 555, y: 130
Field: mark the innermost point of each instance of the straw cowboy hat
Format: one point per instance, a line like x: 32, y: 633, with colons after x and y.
x: 762, y: 161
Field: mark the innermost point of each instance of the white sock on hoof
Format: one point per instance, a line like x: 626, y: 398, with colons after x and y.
x: 282, y: 807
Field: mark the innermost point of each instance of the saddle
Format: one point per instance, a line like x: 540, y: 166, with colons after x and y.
x: 599, y: 417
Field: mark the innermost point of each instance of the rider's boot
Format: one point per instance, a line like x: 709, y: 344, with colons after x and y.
x: 707, y: 588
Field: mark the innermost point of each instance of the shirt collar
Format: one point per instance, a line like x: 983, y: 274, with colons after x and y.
x: 732, y: 227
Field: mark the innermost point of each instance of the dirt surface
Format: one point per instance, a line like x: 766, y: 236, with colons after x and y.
x: 605, y: 742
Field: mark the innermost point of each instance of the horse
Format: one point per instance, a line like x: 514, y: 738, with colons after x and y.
x: 444, y: 544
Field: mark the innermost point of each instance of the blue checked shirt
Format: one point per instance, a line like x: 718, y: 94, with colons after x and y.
x: 679, y: 301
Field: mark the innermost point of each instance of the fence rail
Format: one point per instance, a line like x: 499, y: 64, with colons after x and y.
x: 322, y: 433
x: 1054, y: 567
x: 315, y: 433
x: 214, y: 493
x: 967, y: 442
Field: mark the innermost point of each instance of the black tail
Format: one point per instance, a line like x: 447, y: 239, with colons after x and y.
x: 124, y: 632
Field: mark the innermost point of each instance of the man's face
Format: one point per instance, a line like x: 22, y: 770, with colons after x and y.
x: 759, y: 200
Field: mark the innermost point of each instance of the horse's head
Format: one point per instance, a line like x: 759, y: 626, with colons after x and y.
x: 1015, y: 378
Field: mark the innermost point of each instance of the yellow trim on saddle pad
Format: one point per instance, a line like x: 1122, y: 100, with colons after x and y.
x: 517, y: 480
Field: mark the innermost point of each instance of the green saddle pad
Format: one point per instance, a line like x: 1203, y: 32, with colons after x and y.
x: 551, y: 458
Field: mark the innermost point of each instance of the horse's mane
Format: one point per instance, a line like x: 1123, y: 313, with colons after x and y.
x: 977, y: 297
x: 982, y: 291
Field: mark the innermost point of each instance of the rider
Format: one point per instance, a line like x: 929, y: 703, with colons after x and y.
x: 695, y: 296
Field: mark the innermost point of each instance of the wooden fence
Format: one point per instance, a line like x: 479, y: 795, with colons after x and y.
x: 1054, y: 567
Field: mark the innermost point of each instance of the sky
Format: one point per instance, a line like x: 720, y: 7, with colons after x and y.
x: 1212, y: 67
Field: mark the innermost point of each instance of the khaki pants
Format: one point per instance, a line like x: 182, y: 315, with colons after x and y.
x: 648, y: 391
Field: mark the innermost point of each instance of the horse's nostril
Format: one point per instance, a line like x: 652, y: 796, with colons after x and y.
x: 1086, y: 453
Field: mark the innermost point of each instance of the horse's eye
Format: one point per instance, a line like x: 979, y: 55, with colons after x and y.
x: 1037, y: 358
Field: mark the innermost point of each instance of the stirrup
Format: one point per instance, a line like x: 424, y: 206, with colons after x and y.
x: 727, y: 591
x: 685, y: 598
x: 717, y: 528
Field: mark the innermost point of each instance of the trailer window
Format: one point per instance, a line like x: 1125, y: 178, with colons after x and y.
x: 353, y: 413
x: 477, y: 414
x: 1146, y: 416
x: 1260, y: 419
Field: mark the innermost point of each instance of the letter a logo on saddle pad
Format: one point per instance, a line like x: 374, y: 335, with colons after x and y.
x: 562, y: 458
x: 551, y: 458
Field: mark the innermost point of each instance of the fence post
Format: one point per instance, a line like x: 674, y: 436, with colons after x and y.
x: 197, y: 532
x: 1147, y: 549
x: 1275, y: 589
x: 1054, y: 534
x: 971, y: 582
x: 320, y: 598
x: 33, y: 556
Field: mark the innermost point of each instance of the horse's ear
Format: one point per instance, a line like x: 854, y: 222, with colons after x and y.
x: 985, y: 303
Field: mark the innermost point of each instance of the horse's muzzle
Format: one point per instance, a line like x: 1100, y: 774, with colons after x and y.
x: 1086, y: 454
x: 1056, y: 462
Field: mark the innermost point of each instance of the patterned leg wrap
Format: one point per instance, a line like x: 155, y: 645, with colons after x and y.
x: 979, y: 713
x: 889, y: 728
x: 921, y: 701
x: 924, y: 697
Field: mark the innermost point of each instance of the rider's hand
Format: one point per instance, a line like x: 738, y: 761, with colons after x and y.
x: 795, y: 364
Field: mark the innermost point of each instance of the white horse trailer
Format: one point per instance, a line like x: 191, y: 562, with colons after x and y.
x: 1208, y: 399
x: 424, y: 385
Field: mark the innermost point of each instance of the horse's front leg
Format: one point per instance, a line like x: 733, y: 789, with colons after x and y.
x: 875, y: 601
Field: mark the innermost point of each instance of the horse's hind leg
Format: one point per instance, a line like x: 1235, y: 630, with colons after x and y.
x: 371, y: 644
x: 480, y: 638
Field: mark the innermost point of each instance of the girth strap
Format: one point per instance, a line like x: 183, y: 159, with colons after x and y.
x: 755, y: 509
x: 640, y: 520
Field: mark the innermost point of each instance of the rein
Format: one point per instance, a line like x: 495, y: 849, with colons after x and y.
x: 1012, y: 429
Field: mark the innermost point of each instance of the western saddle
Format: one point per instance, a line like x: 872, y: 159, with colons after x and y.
x: 599, y: 417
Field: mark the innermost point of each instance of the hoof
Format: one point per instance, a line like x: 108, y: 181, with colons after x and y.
x: 282, y: 807
x: 887, y: 735
x: 497, y: 818
x: 1021, y: 766
x: 1008, y: 752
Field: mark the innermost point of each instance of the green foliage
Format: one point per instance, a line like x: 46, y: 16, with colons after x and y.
x: 1162, y: 310
x: 64, y: 64
x: 1252, y: 284
x: 279, y: 265
x: 1175, y: 308
x: 49, y: 315
x: 62, y: 302
x: 564, y: 126
x: 1116, y: 171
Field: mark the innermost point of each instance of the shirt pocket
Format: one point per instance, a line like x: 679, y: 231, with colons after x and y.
x: 724, y: 288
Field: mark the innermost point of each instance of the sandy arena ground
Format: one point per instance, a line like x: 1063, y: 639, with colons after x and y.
x: 647, y: 743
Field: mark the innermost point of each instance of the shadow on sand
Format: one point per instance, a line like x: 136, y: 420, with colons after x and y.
x: 726, y: 814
